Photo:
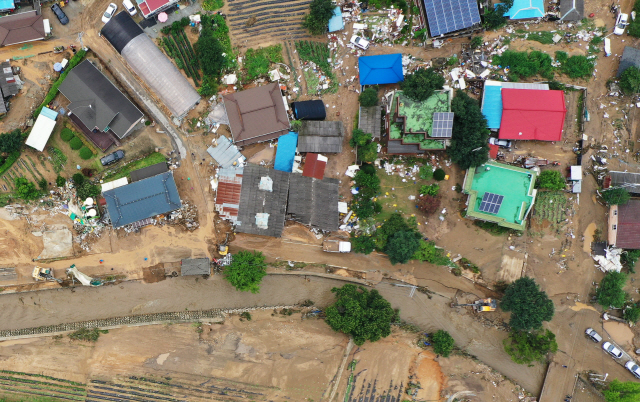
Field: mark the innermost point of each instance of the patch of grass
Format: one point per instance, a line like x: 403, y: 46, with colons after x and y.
x: 546, y: 38
x: 258, y: 61
x: 58, y: 159
x: 124, y: 170
x: 524, y: 65
x: 212, y: 5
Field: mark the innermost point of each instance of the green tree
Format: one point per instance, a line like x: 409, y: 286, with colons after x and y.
x: 494, y: 18
x: 359, y: 138
x: 610, y: 293
x: 550, y: 180
x: 632, y: 313
x: 428, y: 252
x: 363, y: 314
x: 42, y: 183
x: 578, y: 67
x: 401, y: 246
x: 439, y: 174
x: 209, y: 52
x: 442, y: 342
x: 369, y: 184
x: 426, y: 172
x: 78, y: 179
x: 616, y: 196
x: 85, y: 153
x: 363, y: 244
x: 209, y: 86
x: 528, y: 347
x: 420, y: 85
x: 394, y: 223
x: 469, y: 146
x: 629, y: 259
x: 246, y: 271
x: 529, y: 306
x: 320, y: 12
x: 368, y: 153
x: 26, y: 189
x: 618, y: 391
x: 86, y: 190
x: 60, y: 181
x: 11, y: 141
x: 369, y: 97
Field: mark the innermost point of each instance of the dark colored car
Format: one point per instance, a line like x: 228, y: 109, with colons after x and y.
x: 62, y: 17
x: 112, y: 158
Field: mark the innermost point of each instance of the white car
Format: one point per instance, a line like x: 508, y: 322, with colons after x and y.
x: 593, y: 335
x: 500, y: 143
x: 633, y: 367
x: 612, y: 350
x: 360, y: 42
x: 128, y: 5
x: 106, y: 17
x: 621, y: 23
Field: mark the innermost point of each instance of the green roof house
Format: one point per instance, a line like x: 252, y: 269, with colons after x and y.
x: 416, y: 127
x: 500, y: 193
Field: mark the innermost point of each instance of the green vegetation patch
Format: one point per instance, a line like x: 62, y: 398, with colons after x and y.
x: 258, y: 61
x: 124, y: 170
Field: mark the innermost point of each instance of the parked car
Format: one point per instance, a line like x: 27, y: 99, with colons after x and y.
x: 112, y: 158
x: 62, y: 17
x: 128, y: 5
x: 633, y: 367
x: 500, y: 143
x: 360, y: 42
x: 593, y: 335
x: 106, y: 17
x: 621, y: 23
x: 612, y: 350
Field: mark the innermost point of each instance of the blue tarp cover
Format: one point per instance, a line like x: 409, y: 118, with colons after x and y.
x: 336, y: 23
x: 492, y: 105
x: 383, y: 69
x: 285, y: 152
x: 526, y: 9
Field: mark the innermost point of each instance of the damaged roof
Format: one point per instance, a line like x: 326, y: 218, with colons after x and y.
x: 321, y: 137
x: 370, y: 120
x: 263, y: 201
x: 314, y: 202
x: 628, y: 229
x: 225, y: 153
x: 256, y: 114
x: 314, y: 166
x: 228, y: 193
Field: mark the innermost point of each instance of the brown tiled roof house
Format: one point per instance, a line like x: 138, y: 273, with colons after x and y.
x: 624, y: 225
x: 21, y: 28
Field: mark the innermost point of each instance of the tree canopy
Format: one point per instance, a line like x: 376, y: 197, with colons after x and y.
x: 421, y: 84
x: 630, y: 80
x: 616, y: 196
x: 25, y: 189
x: 367, y: 149
x: 363, y: 244
x: 618, y: 391
x: 442, y: 342
x: 246, y: 271
x: 363, y: 314
x: 369, y: 97
x: 550, y: 180
x: 528, y: 347
x: 529, y: 306
x: 393, y: 224
x: 320, y: 12
x: 401, y: 246
x: 494, y: 17
x: 209, y: 52
x: 610, y: 293
x: 11, y: 141
x: 469, y: 147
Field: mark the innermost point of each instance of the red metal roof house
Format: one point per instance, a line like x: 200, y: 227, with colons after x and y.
x: 314, y: 166
x: 532, y: 114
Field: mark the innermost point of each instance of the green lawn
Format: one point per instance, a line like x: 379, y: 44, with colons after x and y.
x: 398, y: 198
x: 124, y: 170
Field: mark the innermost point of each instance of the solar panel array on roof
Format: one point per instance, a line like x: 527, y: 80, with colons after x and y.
x: 442, y: 125
x: 446, y: 16
x: 491, y: 203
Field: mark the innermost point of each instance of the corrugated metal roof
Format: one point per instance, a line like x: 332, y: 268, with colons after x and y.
x: 321, y: 137
x: 628, y: 231
x: 142, y: 199
x: 225, y: 153
x: 628, y: 180
x: 314, y: 202
x: 228, y: 192
x: 370, y: 120
x: 529, y: 114
x: 195, y: 266
x: 314, y: 166
x: 492, y: 99
x: 8, y: 84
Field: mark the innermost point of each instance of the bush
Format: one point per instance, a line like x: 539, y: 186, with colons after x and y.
x: 401, y: 246
x: 394, y: 223
x: 363, y: 244
x: 43, y: 184
x: 629, y: 259
x: 363, y: 314
x: 524, y: 65
x: 246, y: 271
x: 258, y: 61
x: 26, y: 189
x: 632, y: 313
x: 78, y: 179
x: 9, y: 161
x: 368, y: 153
x: 550, y: 180
x: 529, y: 306
x: 359, y: 138
x: 577, y: 67
x: 610, y: 293
x: 428, y: 204
x: 11, y: 142
x: 426, y: 172
x: 368, y: 184
x: 529, y: 347
x: 85, y: 153
x: 616, y: 196
x: 86, y: 334
x: 86, y: 190
x: 60, y: 181
x: 469, y: 142
x: 76, y: 143
x: 439, y: 174
x: 442, y: 342
x: 630, y: 79
x: 420, y: 85
x: 494, y: 18
x: 369, y: 97
x: 431, y: 189
x: 428, y: 252
x: 66, y: 134
x: 476, y: 42
x: 320, y: 12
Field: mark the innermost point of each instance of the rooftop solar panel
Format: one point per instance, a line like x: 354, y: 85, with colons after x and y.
x: 446, y: 16
x: 491, y: 203
x: 442, y: 125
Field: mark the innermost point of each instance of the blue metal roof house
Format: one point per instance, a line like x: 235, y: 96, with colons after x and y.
x: 142, y: 199
x: 382, y: 69
x: 286, y: 152
x: 336, y: 23
x: 526, y: 9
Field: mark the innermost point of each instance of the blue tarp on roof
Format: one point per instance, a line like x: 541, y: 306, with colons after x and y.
x: 526, y: 9
x: 383, y: 69
x: 7, y: 5
x: 336, y: 23
x: 142, y: 199
x: 492, y: 105
x: 52, y: 114
x: 285, y: 152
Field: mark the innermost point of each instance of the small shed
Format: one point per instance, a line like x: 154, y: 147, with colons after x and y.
x: 286, y: 152
x: 149, y: 171
x: 42, y: 129
x: 195, y: 266
x: 576, y: 173
x: 314, y: 166
x: 321, y: 137
x: 309, y: 110
x: 370, y: 120
x: 336, y: 23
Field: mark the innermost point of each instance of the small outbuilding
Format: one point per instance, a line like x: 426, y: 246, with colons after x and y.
x: 228, y: 193
x: 286, y: 152
x: 630, y: 57
x: 195, y: 266
x: 370, y: 120
x: 336, y: 23
x: 309, y: 110
x: 571, y: 10
x: 314, y: 166
x: 381, y: 69
x: 321, y: 137
x: 225, y: 153
x: 628, y: 180
x: 42, y: 129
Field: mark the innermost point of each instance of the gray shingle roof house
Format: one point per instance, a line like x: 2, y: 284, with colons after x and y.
x: 370, y: 120
x: 142, y: 199
x: 97, y: 102
x: 321, y: 137
x: 314, y: 202
x: 195, y: 266
x: 263, y: 201
x: 571, y: 10
x: 630, y: 57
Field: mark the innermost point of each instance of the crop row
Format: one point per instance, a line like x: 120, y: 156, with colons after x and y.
x: 46, y: 377
x: 46, y: 385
